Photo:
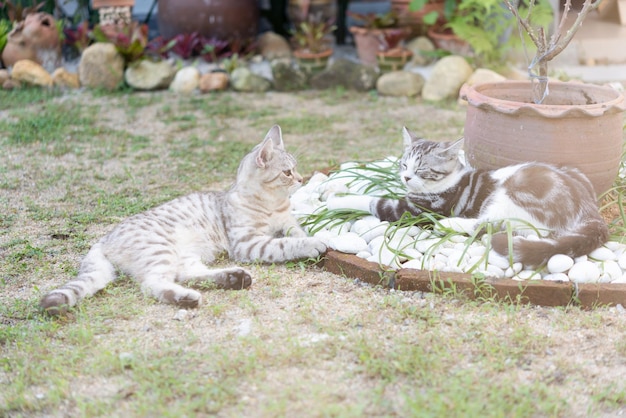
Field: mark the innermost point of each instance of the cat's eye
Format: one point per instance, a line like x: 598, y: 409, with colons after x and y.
x: 287, y: 173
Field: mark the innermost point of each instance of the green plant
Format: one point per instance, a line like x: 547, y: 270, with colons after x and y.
x: 376, y: 20
x: 430, y: 18
x: 312, y: 35
x: 16, y: 11
x: 486, y: 25
x: 536, y: 30
x: 130, y: 40
x: 5, y: 28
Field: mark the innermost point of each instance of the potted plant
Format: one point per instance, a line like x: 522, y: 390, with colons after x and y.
x: 368, y: 35
x: 421, y: 14
x: 563, y: 123
x: 313, y: 45
x: 392, y: 55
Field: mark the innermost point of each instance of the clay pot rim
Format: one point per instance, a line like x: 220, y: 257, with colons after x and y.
x: 485, y: 96
x: 306, y: 54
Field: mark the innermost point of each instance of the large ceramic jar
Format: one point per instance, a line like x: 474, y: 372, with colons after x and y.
x: 222, y: 19
x: 579, y: 125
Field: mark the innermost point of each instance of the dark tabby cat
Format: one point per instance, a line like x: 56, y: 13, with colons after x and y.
x: 169, y: 244
x: 559, y: 202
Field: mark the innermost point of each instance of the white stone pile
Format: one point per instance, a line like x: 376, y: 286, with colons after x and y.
x: 439, y: 248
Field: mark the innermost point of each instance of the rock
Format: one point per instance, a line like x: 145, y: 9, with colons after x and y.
x: 4, y: 75
x: 11, y: 84
x: 560, y: 263
x: 348, y: 242
x: 149, y: 75
x: 400, y: 83
x: 287, y: 77
x: 30, y: 72
x: 347, y: 74
x: 447, y: 77
x: 213, y: 81
x: 181, y: 315
x: 273, y: 46
x: 420, y: 47
x: 602, y: 254
x: 242, y: 79
x: 482, y: 75
x: 186, y: 80
x: 101, y: 66
x: 64, y: 79
x: 609, y: 271
x: 556, y: 277
x: 584, y: 272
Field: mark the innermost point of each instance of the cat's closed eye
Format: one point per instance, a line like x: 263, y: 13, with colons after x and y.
x: 288, y: 173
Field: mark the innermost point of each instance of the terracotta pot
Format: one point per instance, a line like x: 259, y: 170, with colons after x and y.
x: 222, y: 19
x: 393, y: 60
x: 369, y: 42
x: 36, y: 38
x: 312, y: 63
x: 579, y: 125
x: 448, y: 41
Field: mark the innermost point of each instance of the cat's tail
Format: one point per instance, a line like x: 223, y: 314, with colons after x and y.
x: 535, y: 252
x: 95, y: 272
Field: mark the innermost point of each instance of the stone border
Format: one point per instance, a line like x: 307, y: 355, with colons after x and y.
x: 535, y: 292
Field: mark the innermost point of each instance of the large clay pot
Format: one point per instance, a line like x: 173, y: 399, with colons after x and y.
x: 222, y: 19
x: 578, y: 125
x: 36, y: 38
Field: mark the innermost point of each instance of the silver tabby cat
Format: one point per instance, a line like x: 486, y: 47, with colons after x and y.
x: 169, y: 245
x: 559, y: 202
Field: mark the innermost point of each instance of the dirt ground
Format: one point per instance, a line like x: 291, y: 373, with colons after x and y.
x: 301, y: 341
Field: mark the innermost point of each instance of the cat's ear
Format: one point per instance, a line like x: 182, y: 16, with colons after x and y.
x: 408, y: 138
x: 273, y: 140
x: 451, y: 148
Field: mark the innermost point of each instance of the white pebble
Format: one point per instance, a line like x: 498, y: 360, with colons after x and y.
x: 528, y: 275
x: 349, y: 243
x: 498, y: 260
x: 426, y: 245
x: 581, y: 258
x: 622, y: 261
x: 556, y: 277
x: 181, y: 315
x: 413, y: 254
x: 584, y: 272
x: 413, y: 264
x: 494, y: 271
x: 602, y: 254
x: 610, y: 271
x: 559, y: 263
x: 376, y: 244
x: 513, y: 270
x: 364, y: 254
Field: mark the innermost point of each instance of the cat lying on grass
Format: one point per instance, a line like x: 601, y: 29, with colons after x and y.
x: 169, y: 245
x: 558, y: 201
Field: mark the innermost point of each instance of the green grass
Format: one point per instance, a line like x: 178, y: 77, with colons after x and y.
x: 299, y: 342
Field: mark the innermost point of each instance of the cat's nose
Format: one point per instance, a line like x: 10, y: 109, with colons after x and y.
x: 406, y: 179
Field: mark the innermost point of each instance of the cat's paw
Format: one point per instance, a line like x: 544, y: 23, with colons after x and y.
x: 460, y: 225
x: 316, y: 247
x: 236, y: 279
x: 185, y: 298
x: 55, y: 304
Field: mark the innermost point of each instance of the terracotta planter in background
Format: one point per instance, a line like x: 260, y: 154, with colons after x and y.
x: 579, y: 125
x: 222, y: 19
x: 312, y: 63
x: 368, y: 43
x: 448, y: 41
x: 393, y: 60
x: 415, y: 20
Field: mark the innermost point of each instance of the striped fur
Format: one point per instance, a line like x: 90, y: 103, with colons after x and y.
x: 559, y: 201
x: 169, y: 245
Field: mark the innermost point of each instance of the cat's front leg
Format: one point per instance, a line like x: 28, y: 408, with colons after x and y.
x: 461, y: 225
x: 271, y: 249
